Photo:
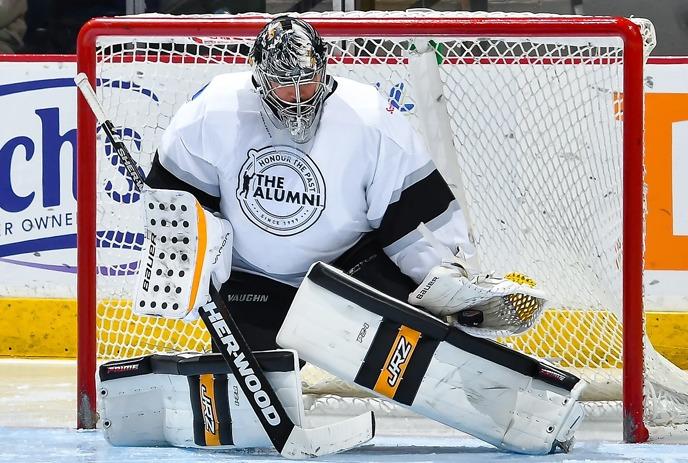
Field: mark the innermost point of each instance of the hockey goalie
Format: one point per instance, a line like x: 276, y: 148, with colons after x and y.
x: 324, y: 225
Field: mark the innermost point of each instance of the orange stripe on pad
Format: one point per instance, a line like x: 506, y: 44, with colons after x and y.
x: 397, y: 360
x: 207, y: 390
x: 200, y: 253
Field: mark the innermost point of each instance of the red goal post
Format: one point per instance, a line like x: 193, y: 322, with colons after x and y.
x: 379, y: 28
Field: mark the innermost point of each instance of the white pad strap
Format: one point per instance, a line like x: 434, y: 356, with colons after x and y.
x: 397, y: 351
x: 185, y: 246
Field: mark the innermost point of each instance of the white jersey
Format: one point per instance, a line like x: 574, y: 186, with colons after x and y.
x: 294, y: 204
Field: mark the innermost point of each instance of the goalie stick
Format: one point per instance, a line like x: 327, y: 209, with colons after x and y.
x: 290, y: 440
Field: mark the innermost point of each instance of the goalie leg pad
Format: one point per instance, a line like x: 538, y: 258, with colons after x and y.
x: 397, y: 351
x: 190, y: 400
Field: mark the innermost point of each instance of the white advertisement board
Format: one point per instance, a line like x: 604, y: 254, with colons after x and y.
x: 38, y: 182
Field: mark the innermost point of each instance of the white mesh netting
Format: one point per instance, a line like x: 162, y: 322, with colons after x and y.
x: 527, y: 130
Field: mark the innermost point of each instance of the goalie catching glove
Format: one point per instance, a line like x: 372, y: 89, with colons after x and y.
x: 481, y: 304
x: 185, y: 246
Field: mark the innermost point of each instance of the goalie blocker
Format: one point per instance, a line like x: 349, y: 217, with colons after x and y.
x: 475, y: 385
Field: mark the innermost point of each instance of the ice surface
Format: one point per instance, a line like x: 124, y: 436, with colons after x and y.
x: 48, y: 445
x: 37, y: 416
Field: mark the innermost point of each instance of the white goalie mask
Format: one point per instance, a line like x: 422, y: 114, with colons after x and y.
x: 289, y: 60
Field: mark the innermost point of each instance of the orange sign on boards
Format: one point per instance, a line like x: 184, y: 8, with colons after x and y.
x: 664, y: 249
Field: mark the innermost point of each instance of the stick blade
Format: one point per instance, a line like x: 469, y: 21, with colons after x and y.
x: 329, y: 439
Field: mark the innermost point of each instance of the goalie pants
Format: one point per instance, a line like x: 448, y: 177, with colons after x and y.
x: 260, y: 304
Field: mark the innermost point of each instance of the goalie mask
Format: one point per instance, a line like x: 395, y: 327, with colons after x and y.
x: 289, y: 59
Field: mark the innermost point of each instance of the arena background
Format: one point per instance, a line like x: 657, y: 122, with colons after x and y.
x: 38, y: 141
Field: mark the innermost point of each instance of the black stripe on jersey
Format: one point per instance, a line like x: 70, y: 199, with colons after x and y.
x: 163, y: 179
x: 420, y: 202
x: 224, y: 419
x: 416, y: 369
x: 376, y: 356
x: 197, y: 411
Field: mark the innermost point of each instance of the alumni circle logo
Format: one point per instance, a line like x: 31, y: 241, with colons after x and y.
x: 281, y: 190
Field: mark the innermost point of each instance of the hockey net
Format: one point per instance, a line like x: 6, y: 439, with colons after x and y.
x: 525, y: 115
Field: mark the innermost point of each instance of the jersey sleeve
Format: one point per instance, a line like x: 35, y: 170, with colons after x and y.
x: 179, y: 162
x: 407, y: 190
